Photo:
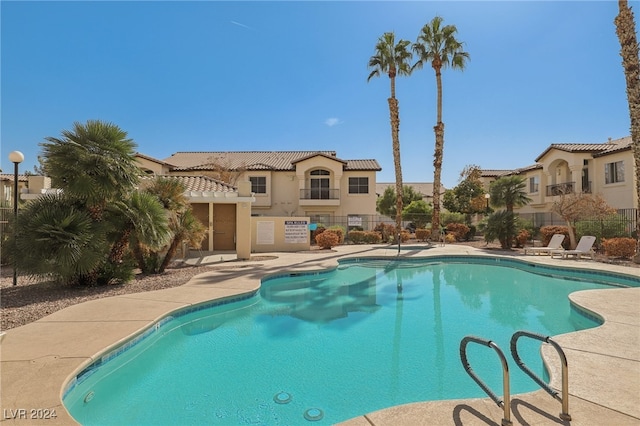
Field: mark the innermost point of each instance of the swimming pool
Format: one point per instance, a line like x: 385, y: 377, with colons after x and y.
x: 371, y: 334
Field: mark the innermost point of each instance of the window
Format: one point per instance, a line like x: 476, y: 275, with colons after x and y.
x: 358, y: 185
x: 319, y: 185
x: 614, y: 172
x: 534, y: 184
x: 258, y: 184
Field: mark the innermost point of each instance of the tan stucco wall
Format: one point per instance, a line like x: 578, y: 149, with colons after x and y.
x: 156, y: 168
x: 621, y: 195
x: 268, y: 234
x: 283, y: 191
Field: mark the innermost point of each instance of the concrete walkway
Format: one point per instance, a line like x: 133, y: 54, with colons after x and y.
x: 604, y: 378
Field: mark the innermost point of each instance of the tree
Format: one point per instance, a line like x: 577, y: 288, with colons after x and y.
x: 438, y: 46
x: 94, y: 162
x: 387, y: 204
x: 393, y: 58
x: 626, y: 31
x: 183, y: 224
x: 573, y: 207
x: 501, y: 226
x: 468, y: 196
x: 509, y: 192
x: 58, y: 238
x: 418, y: 212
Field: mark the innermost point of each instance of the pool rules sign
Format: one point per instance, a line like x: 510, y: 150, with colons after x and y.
x: 296, y: 231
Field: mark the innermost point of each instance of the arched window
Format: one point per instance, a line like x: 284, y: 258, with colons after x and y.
x: 319, y: 183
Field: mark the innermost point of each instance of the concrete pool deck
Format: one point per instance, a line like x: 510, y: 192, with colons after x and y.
x: 37, y: 359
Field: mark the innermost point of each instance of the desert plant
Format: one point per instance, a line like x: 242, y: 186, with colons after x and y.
x: 522, y: 237
x: 546, y: 232
x: 340, y: 232
x: 501, y: 226
x: 372, y: 237
x: 386, y: 230
x: 623, y: 248
x: 449, y: 238
x: 458, y: 230
x: 356, y: 237
x: 327, y: 239
x: 423, y: 234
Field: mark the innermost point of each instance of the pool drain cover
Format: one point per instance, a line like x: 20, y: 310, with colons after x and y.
x: 313, y: 414
x: 88, y: 397
x: 282, y: 397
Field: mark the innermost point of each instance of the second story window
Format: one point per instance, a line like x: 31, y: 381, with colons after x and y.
x: 358, y: 185
x: 614, y: 172
x: 534, y: 184
x: 258, y: 184
x: 319, y: 185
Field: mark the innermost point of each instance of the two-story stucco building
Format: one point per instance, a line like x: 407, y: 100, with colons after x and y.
x: 313, y: 184
x: 607, y: 169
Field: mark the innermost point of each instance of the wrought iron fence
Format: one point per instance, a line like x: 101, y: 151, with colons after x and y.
x: 623, y: 223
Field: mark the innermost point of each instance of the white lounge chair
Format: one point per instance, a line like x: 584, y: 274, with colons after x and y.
x: 583, y: 249
x: 554, y: 244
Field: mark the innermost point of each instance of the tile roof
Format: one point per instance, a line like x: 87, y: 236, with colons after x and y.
x: 596, y: 149
x: 495, y: 172
x: 9, y: 177
x: 258, y: 160
x: 199, y: 183
x: 155, y: 160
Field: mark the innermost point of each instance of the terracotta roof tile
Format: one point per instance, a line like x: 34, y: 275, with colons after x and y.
x: 199, y: 183
x: 257, y: 160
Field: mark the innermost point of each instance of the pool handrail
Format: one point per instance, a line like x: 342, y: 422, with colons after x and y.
x: 564, y: 415
x: 505, y: 403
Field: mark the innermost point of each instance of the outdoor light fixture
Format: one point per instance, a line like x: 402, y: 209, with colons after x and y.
x: 16, y: 157
x: 487, y: 196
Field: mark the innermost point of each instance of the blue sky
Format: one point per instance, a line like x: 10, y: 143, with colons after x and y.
x: 248, y: 76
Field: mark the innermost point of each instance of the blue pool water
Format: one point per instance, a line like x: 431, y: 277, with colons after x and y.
x: 324, y: 347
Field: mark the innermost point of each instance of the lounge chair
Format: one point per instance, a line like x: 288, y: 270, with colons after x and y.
x: 583, y: 249
x: 554, y: 244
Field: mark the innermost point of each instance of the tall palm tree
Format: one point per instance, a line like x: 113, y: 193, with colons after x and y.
x: 393, y: 58
x: 438, y: 46
x: 509, y: 192
x: 626, y: 31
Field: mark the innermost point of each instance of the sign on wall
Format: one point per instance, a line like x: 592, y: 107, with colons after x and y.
x: 265, y: 232
x: 296, y: 231
x: 354, y: 221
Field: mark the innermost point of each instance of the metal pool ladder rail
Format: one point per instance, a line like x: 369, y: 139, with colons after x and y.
x: 564, y: 415
x: 506, y: 402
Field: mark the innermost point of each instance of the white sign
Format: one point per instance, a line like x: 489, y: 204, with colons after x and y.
x: 354, y: 221
x: 296, y: 231
x: 265, y: 232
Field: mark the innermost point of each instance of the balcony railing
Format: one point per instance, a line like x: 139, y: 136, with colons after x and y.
x: 567, y: 188
x: 319, y: 194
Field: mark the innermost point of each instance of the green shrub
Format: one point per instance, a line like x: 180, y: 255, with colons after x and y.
x: 611, y: 227
x: 501, y: 226
x: 356, y: 237
x: 449, y: 217
x: 372, y: 237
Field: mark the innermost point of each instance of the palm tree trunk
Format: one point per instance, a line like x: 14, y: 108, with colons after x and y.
x: 437, y: 157
x: 625, y: 29
x: 395, y: 129
x: 171, y: 252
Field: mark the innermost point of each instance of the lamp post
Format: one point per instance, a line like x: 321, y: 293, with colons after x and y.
x: 16, y: 157
x: 487, y: 196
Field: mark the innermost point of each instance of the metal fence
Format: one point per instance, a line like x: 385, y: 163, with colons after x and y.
x: 624, y: 222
